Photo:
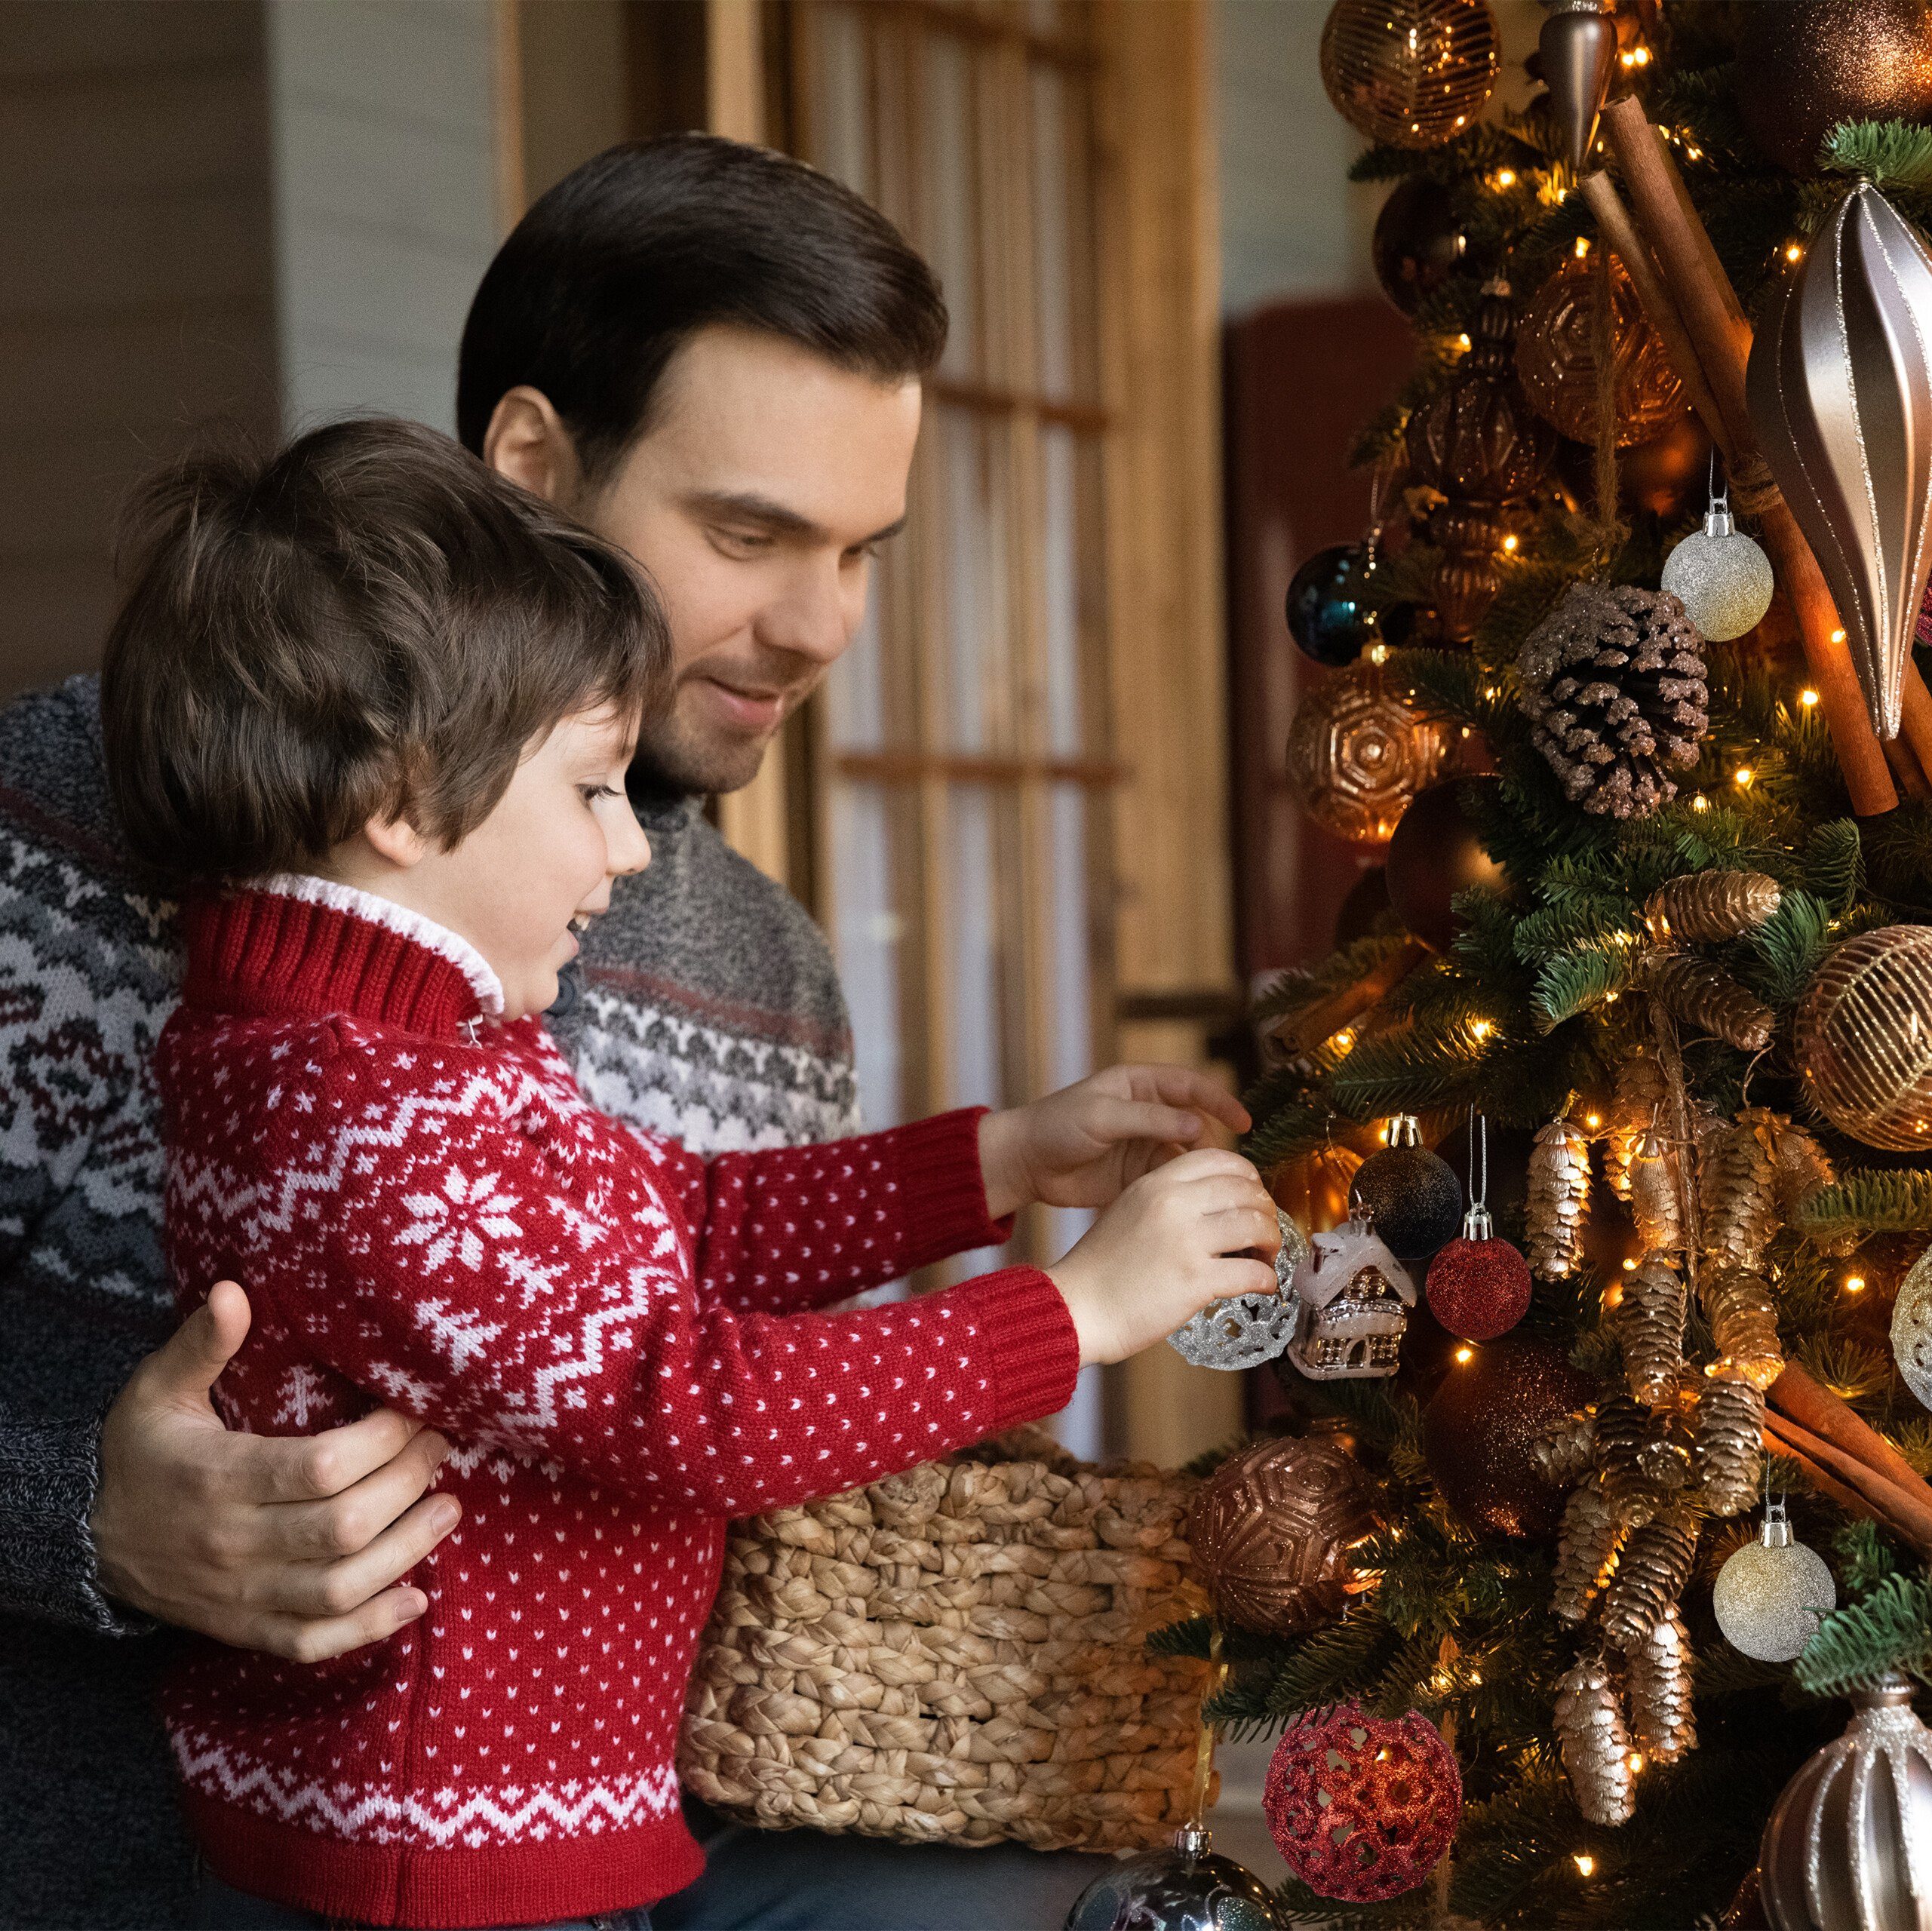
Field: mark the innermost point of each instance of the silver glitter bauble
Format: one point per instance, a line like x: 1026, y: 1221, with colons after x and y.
x: 1848, y: 1847
x: 1185, y: 1888
x: 1247, y: 1329
x: 1769, y: 1597
x: 1721, y: 577
x: 1911, y: 1329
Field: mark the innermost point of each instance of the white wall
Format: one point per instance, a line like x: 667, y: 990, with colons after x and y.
x: 382, y: 118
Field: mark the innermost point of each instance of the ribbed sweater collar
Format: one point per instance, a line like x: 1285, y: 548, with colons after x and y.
x: 300, y: 946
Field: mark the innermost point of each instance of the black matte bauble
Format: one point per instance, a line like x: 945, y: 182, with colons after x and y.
x: 1418, y: 243
x: 1326, y: 615
x: 1415, y: 1198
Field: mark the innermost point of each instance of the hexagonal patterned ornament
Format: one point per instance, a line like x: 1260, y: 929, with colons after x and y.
x: 1271, y: 1529
x: 1357, y: 754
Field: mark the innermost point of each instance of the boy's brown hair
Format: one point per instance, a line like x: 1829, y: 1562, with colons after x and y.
x: 370, y: 623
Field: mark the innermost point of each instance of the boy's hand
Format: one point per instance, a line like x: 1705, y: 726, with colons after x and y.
x: 1081, y: 1146
x: 1179, y: 1237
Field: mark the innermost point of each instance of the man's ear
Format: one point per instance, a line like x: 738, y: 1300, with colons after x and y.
x: 526, y: 441
x: 396, y: 840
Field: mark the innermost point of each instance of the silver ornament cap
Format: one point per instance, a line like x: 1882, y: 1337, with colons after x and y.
x: 1721, y: 578
x: 1770, y: 1597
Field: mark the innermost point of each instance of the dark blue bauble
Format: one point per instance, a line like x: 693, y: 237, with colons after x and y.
x: 1326, y: 615
x: 1186, y: 1889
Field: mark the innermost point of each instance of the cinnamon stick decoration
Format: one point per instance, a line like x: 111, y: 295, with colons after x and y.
x: 1798, y: 1395
x: 1827, y: 1484
x: 1906, y: 1513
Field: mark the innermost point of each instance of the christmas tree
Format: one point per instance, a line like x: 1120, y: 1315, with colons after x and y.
x: 1655, y: 970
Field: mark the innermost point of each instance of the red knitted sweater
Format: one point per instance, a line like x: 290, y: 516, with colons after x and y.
x: 618, y: 1338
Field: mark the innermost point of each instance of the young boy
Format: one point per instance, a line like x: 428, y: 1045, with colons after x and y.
x: 373, y: 707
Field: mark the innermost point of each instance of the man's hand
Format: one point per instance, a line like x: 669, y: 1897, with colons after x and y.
x: 1084, y: 1145
x: 290, y: 1545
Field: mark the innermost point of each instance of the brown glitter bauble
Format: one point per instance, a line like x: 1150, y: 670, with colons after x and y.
x: 1556, y: 356
x: 1418, y: 242
x: 1863, y: 1037
x: 1357, y: 754
x: 1414, y: 73
x: 1436, y: 852
x: 1804, y: 65
x: 1480, y: 1429
x: 1271, y: 1530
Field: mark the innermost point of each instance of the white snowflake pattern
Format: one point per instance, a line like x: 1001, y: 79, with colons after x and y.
x: 453, y: 1222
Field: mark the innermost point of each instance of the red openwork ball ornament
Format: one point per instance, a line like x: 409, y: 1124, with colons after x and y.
x: 1478, y: 1289
x: 1362, y: 1807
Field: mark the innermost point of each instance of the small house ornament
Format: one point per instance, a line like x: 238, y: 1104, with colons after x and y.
x: 1352, y: 1301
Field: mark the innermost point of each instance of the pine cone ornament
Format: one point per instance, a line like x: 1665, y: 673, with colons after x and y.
x: 1801, y: 1166
x: 1728, y: 1453
x: 1743, y: 1324
x: 1648, y: 1321
x: 1660, y: 1719
x: 1626, y: 1440
x: 1558, y: 1193
x: 1563, y: 1452
x: 1587, y: 1546
x: 1650, y: 1576
x: 1702, y: 994
x: 1657, y: 1200
x: 1614, y: 683
x: 1701, y: 908
x: 1595, y: 1743
x: 1736, y: 1188
x: 1641, y: 1092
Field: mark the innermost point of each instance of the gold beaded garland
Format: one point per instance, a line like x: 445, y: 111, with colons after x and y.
x: 1864, y: 1037
x: 1414, y: 73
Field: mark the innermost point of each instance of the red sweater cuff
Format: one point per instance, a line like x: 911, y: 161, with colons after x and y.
x: 943, y: 1189
x: 1030, y: 1345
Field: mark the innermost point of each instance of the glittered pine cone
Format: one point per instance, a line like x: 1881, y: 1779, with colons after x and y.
x: 1661, y: 1723
x: 1743, y: 1323
x: 1564, y: 1450
x: 1736, y: 1190
x: 1650, y: 1576
x: 1727, y: 1454
x: 1700, y: 908
x: 1587, y: 1546
x: 1614, y: 683
x: 1648, y: 1321
x: 1641, y: 1092
x: 1594, y: 1741
x: 1558, y: 1193
x: 1701, y: 994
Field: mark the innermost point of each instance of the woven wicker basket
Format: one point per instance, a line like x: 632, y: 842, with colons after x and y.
x: 956, y: 1655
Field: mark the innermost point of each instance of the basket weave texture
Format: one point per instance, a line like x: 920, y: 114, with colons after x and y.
x: 956, y: 1655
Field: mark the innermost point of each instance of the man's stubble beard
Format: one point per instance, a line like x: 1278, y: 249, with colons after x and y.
x: 672, y: 758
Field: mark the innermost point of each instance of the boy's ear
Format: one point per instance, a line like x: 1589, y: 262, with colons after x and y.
x: 526, y: 441
x: 396, y: 840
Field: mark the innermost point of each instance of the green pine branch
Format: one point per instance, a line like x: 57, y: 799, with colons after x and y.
x: 1870, y: 1200
x: 1889, y: 154
x: 1889, y: 1627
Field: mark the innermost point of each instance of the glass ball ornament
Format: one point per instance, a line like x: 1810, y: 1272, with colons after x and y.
x: 1185, y: 1887
x: 1769, y: 1597
x: 1911, y: 1329
x: 1245, y: 1330
x: 1327, y: 616
x: 1414, y: 73
x: 1419, y: 241
x: 1357, y: 754
x: 1721, y: 577
x: 1411, y: 1196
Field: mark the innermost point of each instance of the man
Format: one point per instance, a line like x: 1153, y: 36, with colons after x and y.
x: 713, y: 356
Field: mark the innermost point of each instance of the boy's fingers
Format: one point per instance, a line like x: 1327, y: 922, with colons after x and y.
x: 1179, y: 1086
x: 350, y: 1521
x: 1208, y: 1163
x: 343, y: 1587
x: 306, y: 1468
x: 1235, y: 1275
x: 313, y: 1639
x: 1146, y: 1119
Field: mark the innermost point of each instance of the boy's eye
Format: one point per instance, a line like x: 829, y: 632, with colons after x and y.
x: 594, y: 791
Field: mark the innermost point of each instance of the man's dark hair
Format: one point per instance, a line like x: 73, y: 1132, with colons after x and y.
x: 370, y: 623
x: 618, y: 266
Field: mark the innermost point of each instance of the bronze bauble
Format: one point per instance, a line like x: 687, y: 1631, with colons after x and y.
x: 1271, y: 1529
x: 1804, y: 65
x: 1863, y: 1037
x: 1480, y: 1428
x: 1556, y: 356
x: 1414, y: 73
x: 1357, y: 754
x: 1419, y: 241
x: 1436, y: 852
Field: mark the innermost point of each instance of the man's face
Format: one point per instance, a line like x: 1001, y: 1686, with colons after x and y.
x: 757, y: 500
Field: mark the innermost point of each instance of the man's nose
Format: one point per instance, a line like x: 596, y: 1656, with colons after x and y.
x: 816, y: 615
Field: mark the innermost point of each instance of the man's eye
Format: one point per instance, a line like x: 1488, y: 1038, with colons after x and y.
x: 741, y: 543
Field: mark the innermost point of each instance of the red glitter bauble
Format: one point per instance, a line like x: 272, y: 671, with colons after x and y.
x: 1361, y: 1807
x: 1478, y: 1289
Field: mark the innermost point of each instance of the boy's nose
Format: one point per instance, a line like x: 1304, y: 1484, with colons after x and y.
x: 630, y: 850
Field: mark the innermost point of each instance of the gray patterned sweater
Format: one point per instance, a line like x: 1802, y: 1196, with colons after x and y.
x: 708, y: 1008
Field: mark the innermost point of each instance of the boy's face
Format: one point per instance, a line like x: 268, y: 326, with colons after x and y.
x: 757, y: 499
x: 544, y: 857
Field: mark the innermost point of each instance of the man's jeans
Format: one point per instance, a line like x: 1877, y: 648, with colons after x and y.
x: 800, y: 1881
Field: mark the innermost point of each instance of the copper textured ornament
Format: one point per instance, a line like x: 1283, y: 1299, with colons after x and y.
x: 1414, y: 73
x: 1246, y: 1330
x: 1848, y: 1845
x: 1840, y: 388
x: 1804, y: 65
x: 1911, y: 1329
x: 1186, y: 1887
x: 1482, y: 1426
x: 1578, y: 47
x: 1479, y: 443
x: 1357, y: 754
x: 1271, y: 1529
x: 1437, y: 851
x: 1352, y: 1300
x: 1863, y: 1037
x: 1556, y: 355
x: 1418, y: 243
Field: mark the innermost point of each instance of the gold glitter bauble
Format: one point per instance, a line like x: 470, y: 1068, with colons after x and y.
x: 1357, y: 754
x: 1864, y: 1037
x: 1414, y: 73
x: 1556, y: 356
x: 1271, y: 1530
